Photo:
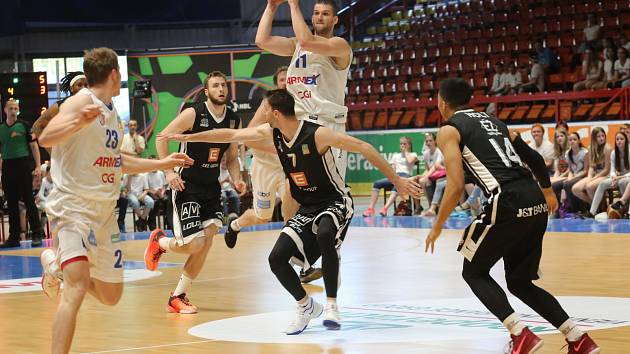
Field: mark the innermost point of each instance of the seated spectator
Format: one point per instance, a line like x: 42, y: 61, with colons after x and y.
x: 536, y: 80
x: 513, y: 79
x: 608, y: 71
x: 122, y: 203
x: 592, y: 71
x: 577, y: 157
x: 499, y: 87
x: 599, y: 167
x: 474, y: 202
x: 403, y: 162
x: 547, y: 58
x: 619, y: 172
x: 137, y: 188
x: 592, y: 34
x: 157, y: 192
x: 560, y: 124
x: 621, y: 69
x: 624, y: 41
x: 560, y: 163
x: 622, y: 204
x: 625, y: 128
x: 543, y: 146
x: 44, y: 189
x: 230, y: 198
x: 438, y: 178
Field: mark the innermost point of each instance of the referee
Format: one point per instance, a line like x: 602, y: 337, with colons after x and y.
x: 16, y: 147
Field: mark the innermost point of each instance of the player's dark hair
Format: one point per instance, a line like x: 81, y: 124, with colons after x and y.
x: 331, y: 3
x: 456, y: 92
x: 65, y: 81
x: 281, y: 101
x: 275, y: 75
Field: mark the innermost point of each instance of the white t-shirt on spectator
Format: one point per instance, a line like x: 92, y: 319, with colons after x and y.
x: 401, y: 165
x: 513, y: 80
x: 545, y: 149
x: 498, y: 82
x: 136, y: 184
x: 624, y: 69
x: 608, y: 69
x: 430, y: 159
x: 592, y: 33
x: 156, y: 180
x: 128, y: 146
x: 613, y: 170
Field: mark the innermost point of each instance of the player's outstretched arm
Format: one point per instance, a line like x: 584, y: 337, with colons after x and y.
x: 77, y: 112
x: 277, y: 45
x: 326, y: 137
x: 448, y: 143
x: 224, y: 135
x: 335, y: 47
x: 260, y: 118
x: 132, y: 164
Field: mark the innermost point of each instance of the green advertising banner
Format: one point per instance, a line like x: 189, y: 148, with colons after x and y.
x: 361, y: 174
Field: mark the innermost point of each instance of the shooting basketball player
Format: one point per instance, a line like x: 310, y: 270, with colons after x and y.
x: 267, y: 180
x: 86, y: 168
x: 70, y: 84
x: 326, y: 206
x: 318, y: 72
x: 514, y: 220
x: 196, y: 191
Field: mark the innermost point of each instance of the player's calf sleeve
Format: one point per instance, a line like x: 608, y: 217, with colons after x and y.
x: 279, y: 258
x: 326, y: 239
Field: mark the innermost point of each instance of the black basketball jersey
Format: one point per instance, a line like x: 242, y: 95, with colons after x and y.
x: 207, y: 166
x: 487, y: 151
x: 313, y: 178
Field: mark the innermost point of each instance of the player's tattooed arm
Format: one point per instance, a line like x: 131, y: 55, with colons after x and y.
x: 44, y: 119
x: 326, y: 138
x: 77, y: 112
x: 277, y: 45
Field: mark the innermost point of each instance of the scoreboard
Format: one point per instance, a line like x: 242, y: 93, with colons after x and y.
x: 29, y: 89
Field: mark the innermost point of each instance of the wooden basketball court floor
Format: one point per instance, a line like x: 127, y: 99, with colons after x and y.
x: 394, y: 298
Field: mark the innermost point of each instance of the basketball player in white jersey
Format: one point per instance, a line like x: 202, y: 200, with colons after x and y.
x: 86, y: 168
x: 318, y: 72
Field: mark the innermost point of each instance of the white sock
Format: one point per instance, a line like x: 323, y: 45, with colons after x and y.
x: 513, y: 324
x: 165, y: 243
x: 306, y: 302
x: 571, y: 331
x: 183, y: 285
x: 235, y: 225
x: 331, y: 301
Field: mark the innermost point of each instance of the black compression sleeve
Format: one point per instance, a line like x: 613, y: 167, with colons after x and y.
x: 533, y: 159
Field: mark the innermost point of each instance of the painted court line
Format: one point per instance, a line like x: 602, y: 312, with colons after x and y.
x: 151, y: 347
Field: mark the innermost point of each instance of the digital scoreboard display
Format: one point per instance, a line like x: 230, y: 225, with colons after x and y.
x: 29, y: 89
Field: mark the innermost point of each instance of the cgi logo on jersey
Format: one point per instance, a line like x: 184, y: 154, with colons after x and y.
x: 306, y: 80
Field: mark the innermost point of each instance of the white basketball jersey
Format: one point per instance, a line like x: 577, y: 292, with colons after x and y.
x: 317, y: 86
x: 268, y: 159
x: 89, y: 163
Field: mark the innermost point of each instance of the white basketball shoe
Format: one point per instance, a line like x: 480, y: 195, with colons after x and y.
x: 304, y: 315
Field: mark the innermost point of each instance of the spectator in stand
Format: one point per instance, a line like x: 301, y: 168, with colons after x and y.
x: 137, y: 188
x: 560, y: 163
x: 619, y: 172
x: 498, y: 87
x: 403, y: 162
x: 622, y: 69
x: 577, y: 157
x: 625, y: 128
x: 122, y: 204
x: 513, y: 79
x: 133, y: 143
x: 592, y: 33
x: 543, y: 146
x: 562, y: 125
x: 157, y: 192
x: 44, y: 188
x: 623, y: 41
x: 608, y: 70
x: 592, y: 70
x: 599, y: 167
x: 622, y: 204
x: 607, y: 42
x: 536, y: 81
x: 547, y: 58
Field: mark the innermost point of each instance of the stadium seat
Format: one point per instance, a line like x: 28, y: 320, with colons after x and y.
x: 519, y: 112
x: 381, y: 120
x: 534, y: 112
x: 368, y: 120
